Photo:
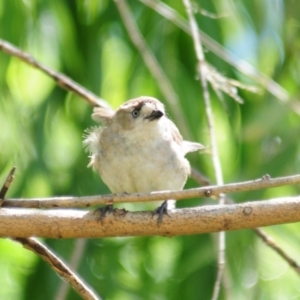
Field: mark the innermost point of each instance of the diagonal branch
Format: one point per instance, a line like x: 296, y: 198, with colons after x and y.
x: 75, y: 259
x: 245, y: 68
x: 41, y: 250
x: 152, y: 64
x: 198, y: 177
x: 58, y: 266
x: 6, y: 185
x: 62, y: 80
x: 272, y: 244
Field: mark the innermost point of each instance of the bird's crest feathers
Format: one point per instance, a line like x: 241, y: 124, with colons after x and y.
x: 102, y: 114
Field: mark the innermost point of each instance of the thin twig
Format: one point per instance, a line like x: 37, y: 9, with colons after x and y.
x: 41, y: 250
x: 273, y: 87
x: 58, y: 266
x: 271, y: 243
x: 199, y: 177
x: 166, y: 11
x: 71, y: 223
x: 6, y: 185
x: 152, y: 64
x: 76, y: 258
x: 261, y: 233
x: 62, y: 80
x: 202, y: 69
x: 207, y: 191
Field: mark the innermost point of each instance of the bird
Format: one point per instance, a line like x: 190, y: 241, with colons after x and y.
x: 139, y: 149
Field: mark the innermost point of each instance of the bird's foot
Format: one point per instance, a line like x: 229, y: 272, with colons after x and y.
x: 103, y: 211
x: 161, y: 211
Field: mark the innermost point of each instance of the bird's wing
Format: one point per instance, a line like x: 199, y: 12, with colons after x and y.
x: 175, y: 134
x: 191, y: 147
x: 186, y: 145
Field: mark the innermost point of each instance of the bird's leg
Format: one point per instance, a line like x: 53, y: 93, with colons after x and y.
x: 160, y: 211
x: 103, y: 211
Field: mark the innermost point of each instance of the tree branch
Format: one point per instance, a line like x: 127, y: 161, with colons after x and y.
x: 62, y: 80
x: 75, y: 259
x: 272, y: 244
x: 6, y: 185
x: 41, y: 250
x: 207, y: 191
x: 58, y: 266
x: 153, y: 65
x: 59, y: 223
x: 245, y: 68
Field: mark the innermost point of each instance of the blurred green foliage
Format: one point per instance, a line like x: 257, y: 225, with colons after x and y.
x: 42, y: 126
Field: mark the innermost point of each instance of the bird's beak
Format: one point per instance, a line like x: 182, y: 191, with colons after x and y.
x: 156, y: 114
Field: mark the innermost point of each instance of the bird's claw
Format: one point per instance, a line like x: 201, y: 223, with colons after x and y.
x: 103, y: 211
x: 161, y: 211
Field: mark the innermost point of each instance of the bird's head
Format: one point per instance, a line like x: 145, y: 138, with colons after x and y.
x: 135, y: 113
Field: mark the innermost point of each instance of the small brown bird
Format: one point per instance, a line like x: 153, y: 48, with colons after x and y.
x: 139, y: 150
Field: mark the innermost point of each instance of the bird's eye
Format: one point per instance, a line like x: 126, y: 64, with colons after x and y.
x: 135, y: 113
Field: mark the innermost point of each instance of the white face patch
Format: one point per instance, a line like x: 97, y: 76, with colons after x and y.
x: 147, y: 109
